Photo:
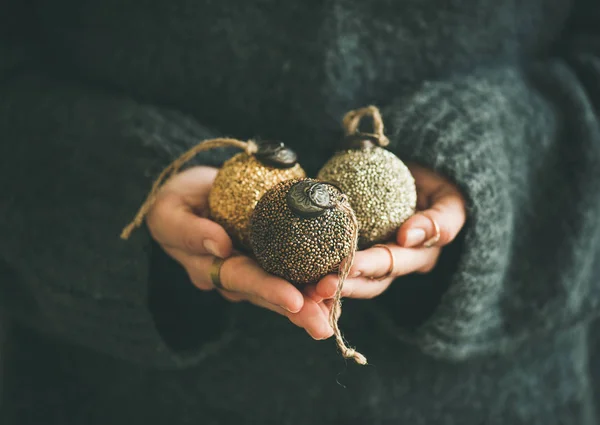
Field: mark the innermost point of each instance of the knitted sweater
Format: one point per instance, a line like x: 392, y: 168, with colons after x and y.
x: 500, y: 97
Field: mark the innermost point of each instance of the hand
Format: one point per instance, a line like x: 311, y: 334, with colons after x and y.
x: 177, y: 221
x: 438, y: 201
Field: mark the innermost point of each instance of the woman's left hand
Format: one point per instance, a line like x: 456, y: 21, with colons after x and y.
x: 417, y: 246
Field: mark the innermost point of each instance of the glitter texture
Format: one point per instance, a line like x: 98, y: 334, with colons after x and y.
x: 239, y: 185
x: 380, y: 188
x: 300, y: 250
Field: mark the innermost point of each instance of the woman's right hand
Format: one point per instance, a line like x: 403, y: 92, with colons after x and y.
x: 177, y: 221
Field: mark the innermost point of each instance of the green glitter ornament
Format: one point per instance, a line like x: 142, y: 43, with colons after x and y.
x: 380, y: 187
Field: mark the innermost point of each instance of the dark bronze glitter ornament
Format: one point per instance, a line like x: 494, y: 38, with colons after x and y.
x: 302, y: 230
x: 299, y: 233
x: 379, y: 186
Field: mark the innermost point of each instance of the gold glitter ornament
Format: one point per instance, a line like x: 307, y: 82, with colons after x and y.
x: 302, y: 230
x: 380, y: 187
x: 238, y: 186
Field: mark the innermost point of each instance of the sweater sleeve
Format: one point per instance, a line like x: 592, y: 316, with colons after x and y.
x: 75, y: 164
x: 523, y: 144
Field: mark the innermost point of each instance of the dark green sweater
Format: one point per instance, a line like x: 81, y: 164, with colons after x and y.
x: 500, y: 96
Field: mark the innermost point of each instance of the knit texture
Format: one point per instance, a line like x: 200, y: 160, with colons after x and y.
x: 3, y: 350
x: 510, y: 167
x: 112, y: 148
x: 500, y: 97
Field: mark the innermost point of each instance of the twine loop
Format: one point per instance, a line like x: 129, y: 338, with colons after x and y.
x: 352, y: 119
x: 173, y: 168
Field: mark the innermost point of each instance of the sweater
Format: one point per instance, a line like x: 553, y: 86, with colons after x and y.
x: 499, y: 97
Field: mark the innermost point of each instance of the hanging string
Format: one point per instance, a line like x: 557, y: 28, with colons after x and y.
x: 250, y: 147
x: 352, y: 119
x: 336, y: 309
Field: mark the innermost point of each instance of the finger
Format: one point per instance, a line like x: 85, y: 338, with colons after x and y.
x: 241, y: 274
x: 327, y: 305
x: 311, y: 292
x: 313, y: 319
x: 175, y: 225
x: 192, y: 185
x: 196, y: 266
x: 233, y: 297
x: 253, y: 299
x: 359, y: 287
x: 257, y: 301
x: 327, y: 287
x: 436, y: 226
x: 375, y: 262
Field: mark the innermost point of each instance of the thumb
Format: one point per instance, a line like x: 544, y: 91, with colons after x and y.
x: 174, y: 225
x: 437, y: 225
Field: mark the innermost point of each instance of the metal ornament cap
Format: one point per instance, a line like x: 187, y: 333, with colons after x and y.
x: 276, y: 155
x: 309, y: 199
x: 360, y: 141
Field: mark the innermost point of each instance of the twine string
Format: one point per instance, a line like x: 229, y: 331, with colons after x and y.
x: 336, y: 310
x: 250, y: 147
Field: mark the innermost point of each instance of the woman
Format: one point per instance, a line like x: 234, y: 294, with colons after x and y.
x: 492, y: 103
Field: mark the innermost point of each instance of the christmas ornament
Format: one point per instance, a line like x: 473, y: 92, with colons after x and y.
x: 299, y: 233
x: 302, y: 230
x: 378, y: 184
x: 238, y: 186
x: 243, y: 180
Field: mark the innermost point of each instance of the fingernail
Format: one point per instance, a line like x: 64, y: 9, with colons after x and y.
x: 211, y: 247
x: 329, y: 334
x: 415, y: 237
x: 285, y: 308
x: 355, y: 274
x: 313, y: 337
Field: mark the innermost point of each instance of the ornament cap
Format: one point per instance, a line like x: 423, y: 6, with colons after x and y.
x: 276, y: 154
x: 310, y: 199
x: 361, y: 140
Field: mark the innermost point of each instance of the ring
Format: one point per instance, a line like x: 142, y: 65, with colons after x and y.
x: 215, y: 273
x: 392, y: 264
x: 435, y: 239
